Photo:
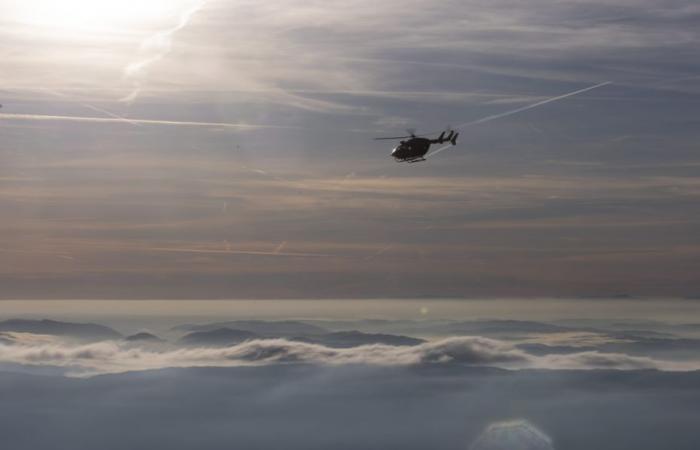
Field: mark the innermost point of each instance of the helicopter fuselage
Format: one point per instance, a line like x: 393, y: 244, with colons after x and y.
x: 415, y: 148
x: 412, y: 150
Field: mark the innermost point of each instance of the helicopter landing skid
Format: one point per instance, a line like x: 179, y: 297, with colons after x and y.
x: 410, y: 161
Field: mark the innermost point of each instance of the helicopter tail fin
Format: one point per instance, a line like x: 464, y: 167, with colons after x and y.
x: 441, y: 138
x: 454, y: 139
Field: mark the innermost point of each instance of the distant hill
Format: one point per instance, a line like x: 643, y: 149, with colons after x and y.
x: 346, y: 339
x: 219, y: 337
x: 502, y: 326
x: 280, y: 328
x: 86, y: 331
x: 143, y: 337
x: 675, y: 348
x: 445, y: 327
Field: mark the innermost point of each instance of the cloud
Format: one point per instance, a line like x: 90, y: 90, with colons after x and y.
x: 573, y: 339
x: 290, y: 48
x: 27, y: 339
x: 156, y: 47
x: 316, y: 407
x: 597, y: 360
x: 114, y: 357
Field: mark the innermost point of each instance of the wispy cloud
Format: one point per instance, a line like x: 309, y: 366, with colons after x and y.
x: 109, y: 357
x: 595, y: 223
x: 157, y: 47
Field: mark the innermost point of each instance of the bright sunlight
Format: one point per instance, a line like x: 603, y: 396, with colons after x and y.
x: 75, y: 16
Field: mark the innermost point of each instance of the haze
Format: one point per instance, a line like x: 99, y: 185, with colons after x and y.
x: 202, y: 246
x: 289, y: 197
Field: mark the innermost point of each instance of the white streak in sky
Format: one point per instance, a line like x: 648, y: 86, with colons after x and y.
x: 55, y: 118
x: 155, y: 48
x: 95, y: 108
x: 379, y: 252
x: 518, y: 110
x: 109, y: 113
x: 279, y: 248
x: 241, y: 252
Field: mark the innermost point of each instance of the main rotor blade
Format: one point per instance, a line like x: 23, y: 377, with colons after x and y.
x: 518, y: 110
x: 409, y: 136
x: 392, y: 138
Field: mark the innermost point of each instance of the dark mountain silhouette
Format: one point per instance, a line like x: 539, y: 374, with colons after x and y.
x: 378, y: 325
x: 341, y: 339
x: 502, y: 326
x: 143, y: 337
x: 447, y: 327
x: 87, y: 331
x: 218, y: 337
x: 268, y: 328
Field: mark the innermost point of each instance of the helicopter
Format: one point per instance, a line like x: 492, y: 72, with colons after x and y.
x: 416, y: 147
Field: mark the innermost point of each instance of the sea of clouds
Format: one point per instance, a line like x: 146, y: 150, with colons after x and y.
x: 117, y: 356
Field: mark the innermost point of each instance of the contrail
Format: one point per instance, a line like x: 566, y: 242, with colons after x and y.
x: 111, y: 114
x: 379, y: 252
x: 94, y: 108
x: 534, y: 105
x: 521, y: 109
x: 241, y: 252
x: 55, y: 118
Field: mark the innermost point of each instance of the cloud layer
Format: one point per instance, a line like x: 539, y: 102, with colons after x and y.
x: 113, y: 356
x: 256, y: 122
x: 316, y: 407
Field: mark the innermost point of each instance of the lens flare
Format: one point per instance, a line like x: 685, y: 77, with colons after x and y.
x: 512, y: 435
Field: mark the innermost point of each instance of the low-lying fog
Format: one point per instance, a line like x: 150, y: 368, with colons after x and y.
x: 364, y: 374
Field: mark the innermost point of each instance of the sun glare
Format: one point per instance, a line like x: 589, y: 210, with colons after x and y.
x: 97, y: 15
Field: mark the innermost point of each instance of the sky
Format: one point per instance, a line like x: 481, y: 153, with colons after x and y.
x: 224, y: 149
